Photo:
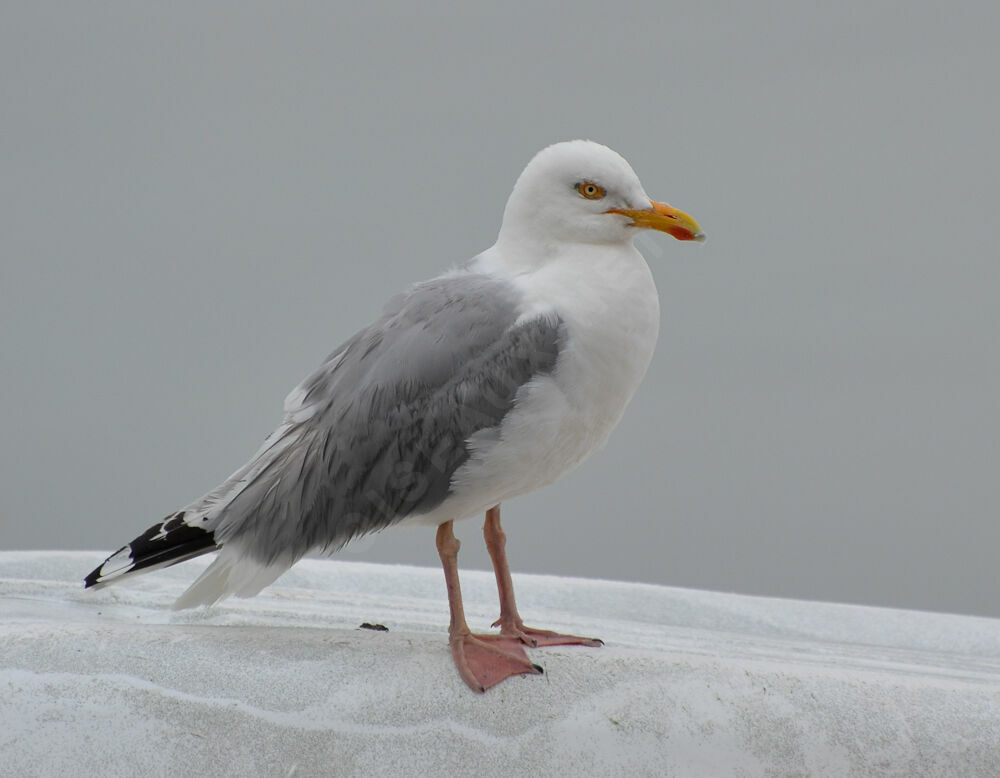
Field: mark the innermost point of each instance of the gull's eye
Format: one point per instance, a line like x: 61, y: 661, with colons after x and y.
x: 590, y: 190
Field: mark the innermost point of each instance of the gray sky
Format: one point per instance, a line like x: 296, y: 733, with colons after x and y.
x: 197, y: 203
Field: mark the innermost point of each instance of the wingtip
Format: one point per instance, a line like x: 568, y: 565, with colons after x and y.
x: 96, y: 581
x: 116, y: 565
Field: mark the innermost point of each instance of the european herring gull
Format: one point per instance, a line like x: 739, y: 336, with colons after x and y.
x: 485, y: 383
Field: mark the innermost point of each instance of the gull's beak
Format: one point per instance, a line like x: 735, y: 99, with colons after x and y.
x: 664, y: 218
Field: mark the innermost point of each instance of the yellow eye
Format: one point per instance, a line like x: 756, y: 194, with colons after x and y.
x: 590, y: 190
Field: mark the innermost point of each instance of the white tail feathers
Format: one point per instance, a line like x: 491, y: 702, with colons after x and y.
x: 232, y: 573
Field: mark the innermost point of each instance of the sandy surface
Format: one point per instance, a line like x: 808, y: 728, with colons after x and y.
x: 690, y: 683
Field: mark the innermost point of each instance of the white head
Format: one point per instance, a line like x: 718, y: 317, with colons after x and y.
x: 582, y: 192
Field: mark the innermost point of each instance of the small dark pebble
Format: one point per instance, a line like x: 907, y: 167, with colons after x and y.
x: 376, y: 627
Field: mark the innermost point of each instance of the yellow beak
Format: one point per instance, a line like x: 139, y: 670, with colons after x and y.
x: 664, y: 218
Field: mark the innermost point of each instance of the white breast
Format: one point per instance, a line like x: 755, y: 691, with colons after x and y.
x: 607, y: 300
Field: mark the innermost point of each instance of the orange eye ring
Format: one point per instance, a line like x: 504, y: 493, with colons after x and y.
x: 590, y: 190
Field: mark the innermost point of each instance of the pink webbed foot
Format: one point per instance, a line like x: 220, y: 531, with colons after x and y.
x: 542, y: 637
x: 483, y: 661
x: 510, y: 622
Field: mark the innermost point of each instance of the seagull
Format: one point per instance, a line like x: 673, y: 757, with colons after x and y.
x: 487, y: 382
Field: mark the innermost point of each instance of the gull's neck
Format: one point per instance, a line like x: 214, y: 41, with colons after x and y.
x: 518, y: 252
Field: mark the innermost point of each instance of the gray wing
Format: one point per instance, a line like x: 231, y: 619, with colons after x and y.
x: 376, y: 433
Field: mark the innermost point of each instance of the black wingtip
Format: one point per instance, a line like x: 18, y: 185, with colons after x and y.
x: 96, y: 576
x: 162, y: 545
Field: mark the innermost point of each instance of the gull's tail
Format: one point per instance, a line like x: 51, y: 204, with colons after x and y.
x: 246, y: 564
x: 178, y: 538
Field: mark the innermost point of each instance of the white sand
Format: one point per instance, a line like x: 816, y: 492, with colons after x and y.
x: 690, y: 683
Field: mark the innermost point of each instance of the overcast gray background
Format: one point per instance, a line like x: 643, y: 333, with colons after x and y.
x: 200, y: 201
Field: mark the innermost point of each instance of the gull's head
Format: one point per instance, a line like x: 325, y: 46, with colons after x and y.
x: 582, y: 192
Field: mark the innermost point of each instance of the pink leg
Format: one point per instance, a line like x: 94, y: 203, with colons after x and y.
x: 510, y: 622
x: 482, y: 660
